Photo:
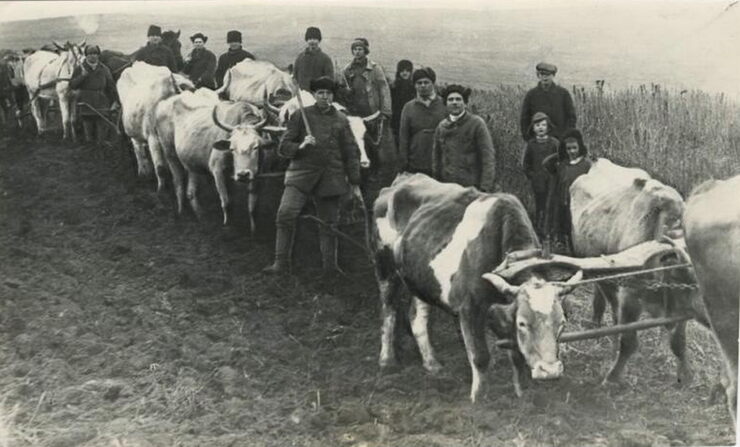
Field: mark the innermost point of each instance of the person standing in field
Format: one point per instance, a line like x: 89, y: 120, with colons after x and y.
x: 402, y: 91
x: 154, y: 53
x: 540, y: 145
x: 95, y: 87
x: 312, y: 63
x: 551, y: 99
x: 324, y: 166
x: 232, y: 56
x: 419, y: 119
x: 366, y: 91
x: 463, y: 150
x: 200, y: 64
x: 570, y: 162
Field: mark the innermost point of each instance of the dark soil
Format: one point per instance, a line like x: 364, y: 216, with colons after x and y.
x: 122, y: 325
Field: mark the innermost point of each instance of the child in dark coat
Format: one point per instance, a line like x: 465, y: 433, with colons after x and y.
x: 565, y: 167
x: 540, y: 146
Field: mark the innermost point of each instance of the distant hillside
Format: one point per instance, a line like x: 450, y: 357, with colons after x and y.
x: 681, y: 44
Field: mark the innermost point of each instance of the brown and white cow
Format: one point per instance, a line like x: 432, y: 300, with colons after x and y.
x: 140, y: 88
x: 614, y: 208
x: 712, y: 222
x: 442, y: 241
x: 201, y: 134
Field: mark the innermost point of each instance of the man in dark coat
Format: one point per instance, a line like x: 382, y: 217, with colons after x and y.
x: 419, y: 119
x: 463, y: 150
x: 402, y: 91
x: 200, y: 65
x: 312, y: 63
x: 233, y: 56
x: 324, y: 165
x: 154, y: 53
x: 550, y: 99
x: 95, y: 86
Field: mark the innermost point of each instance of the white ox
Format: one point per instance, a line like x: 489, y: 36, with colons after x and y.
x: 47, y: 76
x: 198, y: 133
x: 141, y: 87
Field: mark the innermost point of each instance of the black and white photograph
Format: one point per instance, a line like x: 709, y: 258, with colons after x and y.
x: 357, y: 223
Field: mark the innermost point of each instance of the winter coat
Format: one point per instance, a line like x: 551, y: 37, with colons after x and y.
x: 367, y: 89
x: 556, y: 102
x: 312, y: 65
x: 201, y: 68
x: 416, y: 134
x: 463, y: 153
x: 328, y: 168
x: 534, y: 154
x: 96, y: 87
x: 159, y: 55
x: 228, y: 60
x: 402, y: 91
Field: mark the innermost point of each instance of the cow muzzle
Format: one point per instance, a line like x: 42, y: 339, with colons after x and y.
x: 547, y: 371
x: 243, y: 176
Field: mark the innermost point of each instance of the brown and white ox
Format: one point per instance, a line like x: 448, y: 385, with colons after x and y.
x: 712, y: 222
x: 614, y: 208
x: 201, y: 134
x: 442, y: 241
x: 47, y: 76
x: 140, y: 88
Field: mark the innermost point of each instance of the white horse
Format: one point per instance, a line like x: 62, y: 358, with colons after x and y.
x: 47, y: 76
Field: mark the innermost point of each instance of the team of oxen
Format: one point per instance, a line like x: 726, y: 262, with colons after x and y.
x: 444, y: 243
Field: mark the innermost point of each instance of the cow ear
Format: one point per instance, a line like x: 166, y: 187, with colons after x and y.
x: 501, y: 318
x: 501, y: 285
x: 222, y: 145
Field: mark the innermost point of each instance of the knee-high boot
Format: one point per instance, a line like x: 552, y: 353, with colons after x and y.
x: 283, y: 251
x: 328, y: 246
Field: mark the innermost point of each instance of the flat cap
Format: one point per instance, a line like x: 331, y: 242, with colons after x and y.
x: 547, y: 68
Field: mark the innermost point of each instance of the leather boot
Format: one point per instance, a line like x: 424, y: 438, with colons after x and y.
x: 328, y: 245
x: 283, y: 248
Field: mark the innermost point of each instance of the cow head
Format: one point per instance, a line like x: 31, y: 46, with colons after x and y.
x: 534, y: 318
x: 244, y: 143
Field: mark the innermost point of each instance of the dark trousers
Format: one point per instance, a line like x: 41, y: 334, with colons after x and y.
x: 94, y: 128
x: 293, y: 201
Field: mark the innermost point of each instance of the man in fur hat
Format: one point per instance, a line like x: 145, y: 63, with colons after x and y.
x: 551, y: 99
x: 200, y: 64
x: 323, y: 165
x: 95, y: 86
x: 232, y: 56
x: 312, y: 63
x: 154, y: 53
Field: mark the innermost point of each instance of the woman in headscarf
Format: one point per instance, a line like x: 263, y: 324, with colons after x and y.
x: 402, y: 91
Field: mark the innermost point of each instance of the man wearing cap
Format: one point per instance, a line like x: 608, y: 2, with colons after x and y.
x: 200, y: 64
x: 419, y: 119
x: 323, y: 164
x: 232, y: 56
x: 95, y: 86
x: 312, y: 63
x: 463, y: 150
x: 366, y: 90
x: 154, y: 53
x: 551, y: 99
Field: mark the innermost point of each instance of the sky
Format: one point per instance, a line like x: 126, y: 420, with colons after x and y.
x: 28, y: 10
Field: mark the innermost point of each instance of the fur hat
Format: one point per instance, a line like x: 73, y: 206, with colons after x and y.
x: 154, y: 30
x: 424, y: 73
x: 323, y: 83
x: 536, y: 118
x: 456, y: 88
x: 92, y: 49
x: 360, y: 42
x: 199, y: 35
x: 313, y: 33
x: 233, y: 36
x: 404, y: 64
x: 546, y: 68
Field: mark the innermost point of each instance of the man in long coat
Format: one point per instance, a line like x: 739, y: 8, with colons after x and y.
x: 232, y: 56
x: 200, y: 66
x: 95, y: 86
x: 550, y: 99
x: 154, y: 53
x: 312, y: 63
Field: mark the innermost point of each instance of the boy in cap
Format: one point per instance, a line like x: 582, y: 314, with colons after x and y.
x: 312, y: 63
x: 233, y: 55
x: 549, y: 98
x: 95, y: 86
x: 540, y: 145
x: 402, y: 91
x: 463, y: 150
x: 323, y: 165
x: 200, y: 65
x: 154, y: 53
x: 419, y: 119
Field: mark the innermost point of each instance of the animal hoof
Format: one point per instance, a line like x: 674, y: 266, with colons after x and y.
x: 434, y: 368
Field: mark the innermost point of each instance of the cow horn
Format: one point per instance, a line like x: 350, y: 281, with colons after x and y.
x: 269, y: 106
x: 260, y: 124
x: 372, y: 117
x: 217, y: 122
x: 174, y: 83
x: 82, y: 44
x: 56, y: 44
